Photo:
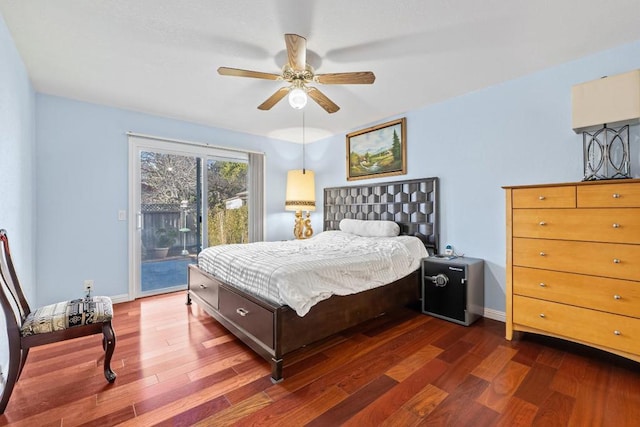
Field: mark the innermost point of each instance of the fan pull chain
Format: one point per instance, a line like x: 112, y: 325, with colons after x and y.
x: 303, y: 168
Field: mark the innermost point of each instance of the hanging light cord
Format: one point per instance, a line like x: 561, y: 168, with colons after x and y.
x: 303, y: 168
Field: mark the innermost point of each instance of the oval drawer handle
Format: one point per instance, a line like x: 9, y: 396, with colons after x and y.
x: 542, y: 285
x: 543, y: 223
x: 617, y: 333
x: 615, y: 225
x: 616, y: 196
x: 543, y: 254
x: 542, y: 315
x: 617, y: 297
x: 242, y: 311
x: 203, y: 286
x: 616, y: 261
x: 541, y: 197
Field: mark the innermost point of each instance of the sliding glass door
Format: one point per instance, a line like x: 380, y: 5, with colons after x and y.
x: 169, y: 230
x: 227, y: 203
x: 185, y: 198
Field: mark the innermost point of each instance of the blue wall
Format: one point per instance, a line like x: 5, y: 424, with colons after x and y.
x: 82, y: 181
x: 518, y: 132
x: 17, y: 158
x: 17, y: 185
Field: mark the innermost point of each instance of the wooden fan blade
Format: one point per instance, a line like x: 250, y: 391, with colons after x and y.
x: 322, y: 100
x: 355, y: 78
x: 237, y: 72
x: 296, y: 51
x: 274, y: 99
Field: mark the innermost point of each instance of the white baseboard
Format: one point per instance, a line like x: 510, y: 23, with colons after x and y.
x: 120, y: 298
x: 500, y: 316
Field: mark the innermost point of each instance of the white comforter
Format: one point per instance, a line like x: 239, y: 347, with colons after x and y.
x: 300, y: 273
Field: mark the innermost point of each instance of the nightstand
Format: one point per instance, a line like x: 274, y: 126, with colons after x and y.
x: 453, y: 288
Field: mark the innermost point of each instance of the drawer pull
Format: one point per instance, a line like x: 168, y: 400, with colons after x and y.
x: 242, y: 311
x: 543, y: 254
x: 203, y: 286
x: 616, y: 261
x: 617, y: 297
x: 542, y: 315
x: 540, y: 197
x: 616, y: 196
x: 542, y: 285
x: 617, y: 333
x: 616, y: 225
x: 543, y: 223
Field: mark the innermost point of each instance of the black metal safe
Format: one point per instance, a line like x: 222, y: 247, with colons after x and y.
x: 453, y: 289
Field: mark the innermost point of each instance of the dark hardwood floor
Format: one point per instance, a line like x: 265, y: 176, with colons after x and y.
x: 177, y: 366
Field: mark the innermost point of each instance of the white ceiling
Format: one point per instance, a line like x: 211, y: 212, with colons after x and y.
x: 160, y: 56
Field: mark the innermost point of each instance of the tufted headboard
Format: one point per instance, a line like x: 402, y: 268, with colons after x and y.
x: 412, y: 204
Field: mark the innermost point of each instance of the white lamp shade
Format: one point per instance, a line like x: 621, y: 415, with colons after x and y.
x: 613, y: 101
x: 301, y: 191
x: 297, y: 98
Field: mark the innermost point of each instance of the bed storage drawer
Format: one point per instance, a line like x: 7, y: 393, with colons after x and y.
x: 253, y: 318
x: 203, y: 286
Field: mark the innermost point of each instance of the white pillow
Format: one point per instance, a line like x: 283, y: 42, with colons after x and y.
x: 370, y: 228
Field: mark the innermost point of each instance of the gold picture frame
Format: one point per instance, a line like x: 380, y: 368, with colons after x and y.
x: 377, y: 151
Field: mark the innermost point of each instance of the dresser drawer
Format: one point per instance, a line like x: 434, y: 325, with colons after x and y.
x: 544, y: 197
x: 604, y: 329
x: 613, y: 260
x: 599, y: 293
x: 619, y: 195
x: 203, y: 286
x: 253, y: 318
x: 597, y: 225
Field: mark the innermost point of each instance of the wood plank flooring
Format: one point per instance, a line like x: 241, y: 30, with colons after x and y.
x: 177, y: 366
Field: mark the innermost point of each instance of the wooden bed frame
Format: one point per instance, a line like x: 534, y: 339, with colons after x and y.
x: 274, y: 331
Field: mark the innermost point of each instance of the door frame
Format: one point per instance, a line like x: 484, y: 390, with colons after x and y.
x: 140, y: 142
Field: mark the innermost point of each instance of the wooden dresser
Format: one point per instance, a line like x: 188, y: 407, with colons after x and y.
x: 573, y: 263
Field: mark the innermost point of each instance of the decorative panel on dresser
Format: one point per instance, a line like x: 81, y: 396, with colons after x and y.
x: 573, y: 263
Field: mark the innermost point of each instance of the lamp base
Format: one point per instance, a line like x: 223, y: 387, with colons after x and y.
x: 606, y: 154
x: 302, y: 228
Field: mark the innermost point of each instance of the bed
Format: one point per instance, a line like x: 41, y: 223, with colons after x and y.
x: 271, y: 327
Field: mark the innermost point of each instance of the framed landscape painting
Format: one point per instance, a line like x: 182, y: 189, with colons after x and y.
x: 377, y: 151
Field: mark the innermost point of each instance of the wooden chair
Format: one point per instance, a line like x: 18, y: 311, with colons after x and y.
x: 48, y: 324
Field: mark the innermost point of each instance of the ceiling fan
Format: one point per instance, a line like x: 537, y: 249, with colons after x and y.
x: 299, y: 74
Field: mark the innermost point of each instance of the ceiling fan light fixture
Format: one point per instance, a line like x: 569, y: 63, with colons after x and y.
x: 298, y: 74
x: 297, y: 98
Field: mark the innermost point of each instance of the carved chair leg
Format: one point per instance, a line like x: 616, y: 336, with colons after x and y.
x: 11, y: 377
x: 109, y: 344
x: 8, y: 389
x: 23, y: 360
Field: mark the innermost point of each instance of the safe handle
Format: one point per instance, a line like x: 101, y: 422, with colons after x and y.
x: 440, y: 280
